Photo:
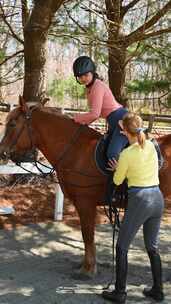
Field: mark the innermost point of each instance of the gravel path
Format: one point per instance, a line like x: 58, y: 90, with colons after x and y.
x: 37, y: 263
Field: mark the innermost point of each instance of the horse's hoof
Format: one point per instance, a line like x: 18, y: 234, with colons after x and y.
x: 82, y: 276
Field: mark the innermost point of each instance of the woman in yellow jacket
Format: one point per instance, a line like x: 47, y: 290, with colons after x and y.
x: 139, y: 165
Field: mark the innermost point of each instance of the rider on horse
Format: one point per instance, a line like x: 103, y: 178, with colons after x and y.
x: 102, y: 103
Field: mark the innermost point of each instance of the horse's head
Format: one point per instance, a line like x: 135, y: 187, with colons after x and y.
x: 18, y: 138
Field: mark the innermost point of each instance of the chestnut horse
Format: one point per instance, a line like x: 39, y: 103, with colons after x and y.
x: 69, y: 147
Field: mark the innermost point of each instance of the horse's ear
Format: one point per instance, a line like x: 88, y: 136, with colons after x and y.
x: 44, y: 101
x: 22, y: 103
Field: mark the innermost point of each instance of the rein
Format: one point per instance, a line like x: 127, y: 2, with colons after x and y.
x: 68, y: 146
x: 20, y: 131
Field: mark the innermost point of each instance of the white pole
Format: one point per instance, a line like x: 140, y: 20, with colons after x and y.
x: 11, y: 168
x: 58, y: 216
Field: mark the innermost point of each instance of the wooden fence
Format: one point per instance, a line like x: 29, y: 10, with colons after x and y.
x: 149, y: 119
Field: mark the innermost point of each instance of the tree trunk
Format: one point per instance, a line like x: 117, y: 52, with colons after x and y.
x: 117, y: 72
x: 35, y: 29
x: 35, y: 39
x: 116, y: 49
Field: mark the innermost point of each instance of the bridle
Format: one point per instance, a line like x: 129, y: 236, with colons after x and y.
x: 59, y: 160
x: 27, y: 119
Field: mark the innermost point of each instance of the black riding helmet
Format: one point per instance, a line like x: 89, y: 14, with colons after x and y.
x: 83, y: 65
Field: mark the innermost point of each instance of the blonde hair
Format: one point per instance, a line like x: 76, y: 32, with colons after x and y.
x: 132, y: 123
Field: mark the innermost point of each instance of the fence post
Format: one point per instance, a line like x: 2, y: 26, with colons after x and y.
x: 59, y: 199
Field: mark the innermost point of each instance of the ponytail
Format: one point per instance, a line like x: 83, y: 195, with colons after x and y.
x: 141, y: 137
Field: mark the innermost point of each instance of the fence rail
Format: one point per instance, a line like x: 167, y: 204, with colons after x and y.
x: 101, y: 126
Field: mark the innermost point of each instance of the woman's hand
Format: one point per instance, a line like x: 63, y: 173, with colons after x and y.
x: 112, y: 163
x: 120, y: 123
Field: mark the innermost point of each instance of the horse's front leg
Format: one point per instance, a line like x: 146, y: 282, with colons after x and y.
x: 87, y: 214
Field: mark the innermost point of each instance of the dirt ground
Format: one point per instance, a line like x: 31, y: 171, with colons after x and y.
x: 34, y: 201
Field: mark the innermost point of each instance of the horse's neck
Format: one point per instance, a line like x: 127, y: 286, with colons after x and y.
x: 54, y: 133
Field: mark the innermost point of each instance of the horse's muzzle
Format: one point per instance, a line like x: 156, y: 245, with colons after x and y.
x: 5, y: 153
x: 4, y: 156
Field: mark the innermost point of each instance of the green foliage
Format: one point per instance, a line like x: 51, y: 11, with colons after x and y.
x: 147, y: 85
x: 133, y: 48
x: 2, y: 55
x: 57, y: 89
x: 73, y: 88
x: 169, y: 100
x: 61, y: 88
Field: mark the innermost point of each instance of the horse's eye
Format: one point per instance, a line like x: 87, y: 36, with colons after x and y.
x: 12, y: 124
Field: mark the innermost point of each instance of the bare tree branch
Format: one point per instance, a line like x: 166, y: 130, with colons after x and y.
x: 9, y: 25
x: 140, y: 32
x: 12, y: 67
x: 12, y: 81
x: 69, y: 15
x: 157, y: 33
x: 11, y: 56
x: 162, y: 53
x: 126, y: 8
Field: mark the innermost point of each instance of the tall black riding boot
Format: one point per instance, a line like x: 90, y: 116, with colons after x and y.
x: 156, y: 292
x: 119, y: 294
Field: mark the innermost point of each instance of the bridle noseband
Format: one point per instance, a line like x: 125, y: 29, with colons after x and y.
x: 27, y: 117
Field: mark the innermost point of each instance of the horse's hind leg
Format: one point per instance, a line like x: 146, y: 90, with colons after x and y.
x: 87, y: 214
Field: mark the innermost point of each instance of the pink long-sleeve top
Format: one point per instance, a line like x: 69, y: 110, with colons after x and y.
x: 101, y: 103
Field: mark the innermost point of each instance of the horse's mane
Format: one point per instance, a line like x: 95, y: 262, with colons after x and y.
x: 55, y: 112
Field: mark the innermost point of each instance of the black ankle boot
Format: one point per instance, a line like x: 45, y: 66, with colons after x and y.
x: 115, y: 296
x: 119, y: 294
x: 156, y: 292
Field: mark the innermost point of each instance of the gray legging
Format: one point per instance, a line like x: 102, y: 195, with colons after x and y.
x: 145, y: 207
